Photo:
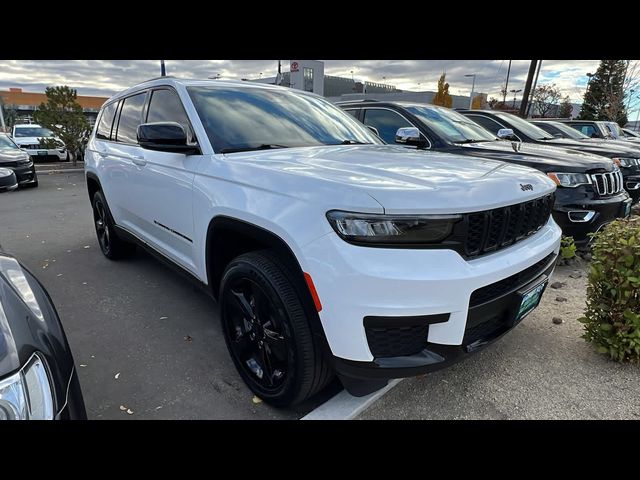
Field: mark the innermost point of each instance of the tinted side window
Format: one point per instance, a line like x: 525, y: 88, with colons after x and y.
x: 386, y: 122
x: 552, y: 129
x: 130, y: 118
x: 165, y: 106
x: 353, y: 112
x: 106, y: 120
x: 487, y: 123
x: 588, y: 130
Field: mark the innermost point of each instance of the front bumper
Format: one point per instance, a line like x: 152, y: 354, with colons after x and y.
x: 43, y: 154
x: 26, y: 174
x: 632, y: 185
x: 602, y: 211
x: 356, y: 282
x: 486, y: 322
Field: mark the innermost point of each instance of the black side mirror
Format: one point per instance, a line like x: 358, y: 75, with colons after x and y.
x: 165, y: 137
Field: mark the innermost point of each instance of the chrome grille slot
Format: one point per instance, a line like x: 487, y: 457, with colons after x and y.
x: 607, y: 183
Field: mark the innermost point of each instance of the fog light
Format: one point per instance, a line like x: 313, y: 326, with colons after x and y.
x: 581, y: 216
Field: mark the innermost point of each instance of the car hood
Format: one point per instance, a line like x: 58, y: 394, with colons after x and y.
x: 405, y: 180
x: 605, y: 148
x: 547, y: 158
x: 31, y: 140
x: 12, y: 155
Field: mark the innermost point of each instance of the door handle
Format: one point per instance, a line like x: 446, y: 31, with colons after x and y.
x: 138, y: 160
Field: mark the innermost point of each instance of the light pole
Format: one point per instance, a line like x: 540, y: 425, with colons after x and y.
x: 473, y: 85
x: 163, y: 71
x: 631, y: 92
x: 514, y: 96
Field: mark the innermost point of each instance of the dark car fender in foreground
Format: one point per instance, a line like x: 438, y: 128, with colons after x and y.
x: 30, y: 331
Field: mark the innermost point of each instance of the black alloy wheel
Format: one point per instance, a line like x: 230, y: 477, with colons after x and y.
x: 265, y: 321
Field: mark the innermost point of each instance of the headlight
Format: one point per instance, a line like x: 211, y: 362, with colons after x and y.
x: 12, y: 271
x: 391, y: 229
x: 27, y: 395
x: 570, y: 180
x: 627, y: 161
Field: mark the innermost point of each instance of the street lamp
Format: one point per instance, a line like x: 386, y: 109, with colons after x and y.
x: 473, y: 84
x: 631, y: 92
x: 514, y: 96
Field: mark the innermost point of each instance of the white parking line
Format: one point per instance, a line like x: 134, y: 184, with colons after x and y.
x: 347, y: 407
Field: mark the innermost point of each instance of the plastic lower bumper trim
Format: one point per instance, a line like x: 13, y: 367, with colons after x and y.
x: 485, y: 324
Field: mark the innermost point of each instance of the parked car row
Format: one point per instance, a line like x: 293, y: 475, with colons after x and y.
x: 591, y: 176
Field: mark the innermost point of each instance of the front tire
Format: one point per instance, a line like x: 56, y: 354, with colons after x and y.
x: 112, y: 246
x: 267, y: 331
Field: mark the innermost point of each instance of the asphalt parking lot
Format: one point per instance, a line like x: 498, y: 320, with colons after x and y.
x: 143, y: 338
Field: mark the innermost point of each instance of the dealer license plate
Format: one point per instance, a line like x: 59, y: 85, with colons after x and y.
x: 530, y: 300
x: 42, y: 152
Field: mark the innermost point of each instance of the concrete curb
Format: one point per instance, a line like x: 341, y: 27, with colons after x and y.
x: 347, y: 407
x: 64, y: 170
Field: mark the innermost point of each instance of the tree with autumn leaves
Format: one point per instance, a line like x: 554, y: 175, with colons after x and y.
x: 442, y: 97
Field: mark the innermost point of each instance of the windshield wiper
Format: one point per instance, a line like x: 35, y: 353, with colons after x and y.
x: 469, y: 140
x: 263, y: 146
x: 351, y: 142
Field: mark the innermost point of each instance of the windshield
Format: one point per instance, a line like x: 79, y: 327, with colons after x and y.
x: 32, y: 132
x: 568, y: 131
x: 251, y: 118
x: 529, y: 129
x: 453, y: 126
x: 6, y: 142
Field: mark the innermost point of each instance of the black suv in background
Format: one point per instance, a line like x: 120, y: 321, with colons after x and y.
x: 589, y: 192
x: 16, y: 159
x: 630, y: 165
x: 517, y: 129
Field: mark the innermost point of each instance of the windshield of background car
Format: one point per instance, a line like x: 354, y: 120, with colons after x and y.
x: 529, y: 129
x: 33, y: 132
x: 569, y: 132
x: 451, y: 125
x: 247, y: 117
x: 6, y: 142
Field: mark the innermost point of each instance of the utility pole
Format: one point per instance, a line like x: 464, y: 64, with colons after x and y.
x: 506, y: 84
x: 533, y: 89
x: 163, y: 71
x: 4, y: 127
x: 527, y: 88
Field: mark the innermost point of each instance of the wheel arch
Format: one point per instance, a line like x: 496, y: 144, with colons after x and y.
x: 93, y: 184
x: 228, y: 237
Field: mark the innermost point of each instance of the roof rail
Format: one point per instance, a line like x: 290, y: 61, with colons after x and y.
x: 358, y: 100
x: 158, y: 78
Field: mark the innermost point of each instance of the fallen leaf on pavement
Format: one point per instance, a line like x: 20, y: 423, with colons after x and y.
x: 188, y: 338
x: 159, y: 407
x: 163, y: 318
x: 82, y: 365
x: 123, y: 408
x: 256, y: 399
x: 129, y: 411
x: 117, y: 375
x: 86, y: 246
x: 59, y: 275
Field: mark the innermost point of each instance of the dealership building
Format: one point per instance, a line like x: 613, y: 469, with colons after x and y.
x: 25, y: 103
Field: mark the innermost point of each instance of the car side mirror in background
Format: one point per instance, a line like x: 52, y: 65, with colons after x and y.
x: 165, y: 137
x: 410, y: 136
x: 373, y: 129
x: 506, y: 134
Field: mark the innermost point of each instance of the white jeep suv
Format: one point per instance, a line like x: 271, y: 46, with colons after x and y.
x: 31, y: 138
x: 327, y: 250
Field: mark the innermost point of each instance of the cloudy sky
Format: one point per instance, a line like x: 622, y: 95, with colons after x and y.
x: 105, y: 77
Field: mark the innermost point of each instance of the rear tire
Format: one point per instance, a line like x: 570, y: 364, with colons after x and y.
x: 112, y: 246
x: 267, y: 331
